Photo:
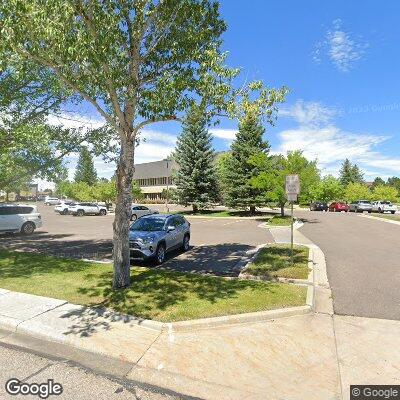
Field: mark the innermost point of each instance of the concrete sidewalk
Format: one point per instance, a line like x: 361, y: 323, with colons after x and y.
x: 312, y: 356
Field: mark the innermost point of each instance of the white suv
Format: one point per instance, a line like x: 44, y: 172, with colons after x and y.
x: 81, y: 209
x: 22, y: 218
x: 62, y: 208
x: 49, y: 201
x: 382, y: 206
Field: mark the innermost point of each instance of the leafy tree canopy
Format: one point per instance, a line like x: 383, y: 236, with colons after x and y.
x: 357, y: 191
x: 328, y: 189
x: 383, y: 192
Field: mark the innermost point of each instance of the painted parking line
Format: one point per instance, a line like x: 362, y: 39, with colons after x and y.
x: 232, y: 222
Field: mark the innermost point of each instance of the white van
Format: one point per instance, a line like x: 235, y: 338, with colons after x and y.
x: 22, y: 218
x: 48, y: 201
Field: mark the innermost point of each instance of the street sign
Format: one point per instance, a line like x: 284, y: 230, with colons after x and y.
x: 292, y: 185
x: 292, y: 189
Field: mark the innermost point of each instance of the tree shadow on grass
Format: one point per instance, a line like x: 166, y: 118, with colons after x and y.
x: 151, y: 293
x: 26, y: 265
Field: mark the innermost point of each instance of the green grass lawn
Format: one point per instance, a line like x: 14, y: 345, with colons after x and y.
x: 224, y: 213
x: 154, y: 294
x: 274, y: 261
x: 278, y: 220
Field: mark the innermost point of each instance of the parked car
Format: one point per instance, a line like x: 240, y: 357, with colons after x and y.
x: 338, y: 206
x: 383, y: 206
x: 138, y: 211
x: 361, y: 206
x: 152, y: 236
x: 318, y: 206
x: 80, y: 209
x: 49, y: 201
x: 22, y: 218
x: 62, y: 208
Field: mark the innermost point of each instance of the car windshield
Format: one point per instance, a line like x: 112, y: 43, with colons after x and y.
x: 386, y: 202
x: 365, y: 202
x: 148, y: 225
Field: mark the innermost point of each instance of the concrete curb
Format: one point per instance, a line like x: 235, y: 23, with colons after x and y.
x: 309, y: 282
x: 390, y: 221
x: 232, y: 217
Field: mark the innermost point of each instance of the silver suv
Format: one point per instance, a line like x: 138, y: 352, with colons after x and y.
x: 361, y: 206
x: 152, y: 236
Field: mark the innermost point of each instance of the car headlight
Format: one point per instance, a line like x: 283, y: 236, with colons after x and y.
x: 148, y: 239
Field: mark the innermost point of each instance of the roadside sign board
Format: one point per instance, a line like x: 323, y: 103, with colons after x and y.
x: 292, y: 187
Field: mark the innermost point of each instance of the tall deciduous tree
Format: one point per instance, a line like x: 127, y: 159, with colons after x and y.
x: 383, y: 192
x: 350, y: 173
x: 196, y: 179
x: 328, y: 189
x: 357, y: 191
x: 239, y: 171
x: 273, y: 171
x: 136, y: 62
x: 85, y: 170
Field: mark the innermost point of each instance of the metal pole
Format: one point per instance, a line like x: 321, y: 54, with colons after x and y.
x: 166, y: 197
x: 291, y: 236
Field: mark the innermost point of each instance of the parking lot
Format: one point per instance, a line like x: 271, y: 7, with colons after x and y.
x: 363, y: 261
x: 217, y: 244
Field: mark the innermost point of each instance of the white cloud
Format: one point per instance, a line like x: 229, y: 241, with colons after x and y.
x: 225, y: 134
x: 150, y: 135
x: 74, y: 121
x: 341, y: 47
x: 309, y: 113
x: 319, y: 138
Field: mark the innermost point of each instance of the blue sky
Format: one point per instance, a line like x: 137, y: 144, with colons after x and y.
x: 341, y: 62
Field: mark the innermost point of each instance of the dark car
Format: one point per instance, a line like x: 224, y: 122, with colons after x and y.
x: 338, y: 206
x: 318, y: 206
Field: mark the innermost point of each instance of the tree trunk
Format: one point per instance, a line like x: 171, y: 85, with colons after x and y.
x: 252, y: 209
x: 125, y: 170
x: 282, y: 209
x: 195, y: 208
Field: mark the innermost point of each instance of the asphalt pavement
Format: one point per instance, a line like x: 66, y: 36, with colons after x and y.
x: 363, y: 262
x: 77, y: 383
x: 217, y: 244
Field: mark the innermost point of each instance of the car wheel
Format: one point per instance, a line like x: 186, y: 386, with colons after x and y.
x: 160, y: 253
x: 65, y: 212
x: 392, y: 212
x: 28, y: 228
x: 379, y: 210
x: 80, y: 213
x: 186, y: 243
x: 103, y: 212
x: 133, y: 217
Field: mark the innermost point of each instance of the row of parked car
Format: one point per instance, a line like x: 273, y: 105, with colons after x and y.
x: 65, y: 207
x: 380, y: 206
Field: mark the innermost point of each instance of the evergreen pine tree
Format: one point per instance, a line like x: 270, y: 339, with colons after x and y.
x: 85, y: 171
x: 196, y: 181
x: 350, y: 173
x: 345, y: 174
x: 357, y: 174
x: 249, y: 142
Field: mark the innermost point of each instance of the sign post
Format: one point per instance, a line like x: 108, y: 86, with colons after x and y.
x: 292, y: 189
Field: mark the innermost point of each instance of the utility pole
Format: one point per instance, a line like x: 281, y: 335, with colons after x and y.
x: 167, y: 195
